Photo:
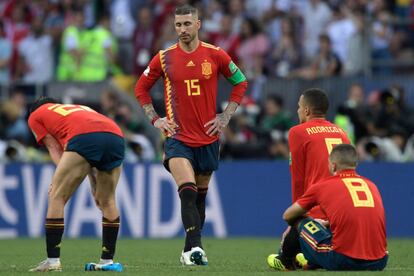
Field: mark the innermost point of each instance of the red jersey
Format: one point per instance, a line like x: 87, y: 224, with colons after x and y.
x: 190, y: 88
x: 64, y: 121
x: 310, y: 144
x: 354, y: 208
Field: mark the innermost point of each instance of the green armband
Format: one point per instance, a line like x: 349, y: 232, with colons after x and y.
x: 237, y: 76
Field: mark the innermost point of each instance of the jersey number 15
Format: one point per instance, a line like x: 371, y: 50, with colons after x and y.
x: 193, y: 87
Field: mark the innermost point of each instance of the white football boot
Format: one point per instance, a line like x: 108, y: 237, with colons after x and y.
x: 46, y: 266
x: 196, y: 256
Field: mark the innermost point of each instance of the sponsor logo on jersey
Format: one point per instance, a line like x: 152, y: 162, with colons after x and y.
x: 190, y: 64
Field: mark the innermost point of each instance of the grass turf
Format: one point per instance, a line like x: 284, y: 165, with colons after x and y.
x: 241, y: 256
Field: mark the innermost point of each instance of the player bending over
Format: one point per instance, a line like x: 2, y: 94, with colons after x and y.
x: 81, y: 142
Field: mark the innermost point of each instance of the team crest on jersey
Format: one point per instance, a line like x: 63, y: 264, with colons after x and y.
x: 206, y: 69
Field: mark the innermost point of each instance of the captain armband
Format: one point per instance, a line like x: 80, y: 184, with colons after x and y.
x: 237, y: 76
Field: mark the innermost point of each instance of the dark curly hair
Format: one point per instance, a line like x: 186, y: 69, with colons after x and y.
x: 41, y: 101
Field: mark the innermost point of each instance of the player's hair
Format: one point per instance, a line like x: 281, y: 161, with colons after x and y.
x: 317, y: 100
x: 41, y: 101
x: 186, y: 9
x: 344, y: 155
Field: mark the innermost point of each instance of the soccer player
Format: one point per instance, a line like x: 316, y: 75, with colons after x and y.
x: 190, y: 69
x: 356, y: 239
x: 310, y: 143
x: 81, y: 142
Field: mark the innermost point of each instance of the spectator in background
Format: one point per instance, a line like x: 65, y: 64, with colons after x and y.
x: 359, y: 48
x: 54, y: 26
x: 122, y: 26
x: 391, y: 117
x: 382, y: 34
x: 325, y: 64
x: 71, y: 48
x: 253, y: 48
x: 340, y: 31
x: 24, y: 5
x: 379, y: 149
x: 16, y: 30
x: 286, y: 56
x: 143, y: 39
x: 274, y: 126
x: 109, y: 102
x: 275, y: 120
x: 226, y: 39
x: 35, y: 55
x: 237, y: 13
x: 167, y: 37
x: 211, y: 18
x: 5, y: 56
x: 355, y: 110
x: 316, y: 17
x: 13, y: 118
x: 271, y: 21
x: 102, y: 51
x: 126, y: 119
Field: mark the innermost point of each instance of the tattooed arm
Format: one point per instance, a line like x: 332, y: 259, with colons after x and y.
x: 222, y: 119
x: 163, y: 124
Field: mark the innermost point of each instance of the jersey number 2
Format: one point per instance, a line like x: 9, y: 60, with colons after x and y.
x: 356, y: 191
x: 66, y: 109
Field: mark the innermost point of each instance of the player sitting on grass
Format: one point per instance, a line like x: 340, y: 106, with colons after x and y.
x: 80, y: 142
x: 356, y: 238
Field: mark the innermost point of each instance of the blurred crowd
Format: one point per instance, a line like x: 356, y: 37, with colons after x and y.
x: 90, y: 40
x: 93, y: 40
x: 379, y: 123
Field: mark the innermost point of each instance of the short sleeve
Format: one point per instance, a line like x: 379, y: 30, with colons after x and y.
x: 309, y: 199
x: 37, y: 128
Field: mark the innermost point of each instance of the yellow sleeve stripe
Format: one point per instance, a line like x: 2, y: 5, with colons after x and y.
x: 207, y: 45
x: 171, y: 47
x: 168, y: 88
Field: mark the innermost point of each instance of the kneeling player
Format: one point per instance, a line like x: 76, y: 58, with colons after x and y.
x: 356, y: 239
x: 81, y: 142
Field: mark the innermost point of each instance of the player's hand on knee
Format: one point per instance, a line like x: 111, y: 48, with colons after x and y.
x: 218, y: 124
x: 165, y: 125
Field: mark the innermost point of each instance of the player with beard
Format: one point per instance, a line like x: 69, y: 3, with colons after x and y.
x: 190, y: 69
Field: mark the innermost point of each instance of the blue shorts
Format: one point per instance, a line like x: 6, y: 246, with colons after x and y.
x: 103, y: 150
x: 204, y: 159
x: 315, y: 242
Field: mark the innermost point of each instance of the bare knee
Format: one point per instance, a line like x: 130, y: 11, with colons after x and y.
x: 105, y: 204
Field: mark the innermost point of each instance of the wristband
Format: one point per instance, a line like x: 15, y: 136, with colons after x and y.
x: 154, y: 120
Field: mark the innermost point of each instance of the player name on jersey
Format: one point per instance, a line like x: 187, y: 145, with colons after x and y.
x: 322, y: 129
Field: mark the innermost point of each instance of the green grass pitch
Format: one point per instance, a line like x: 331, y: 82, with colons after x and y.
x: 241, y: 256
